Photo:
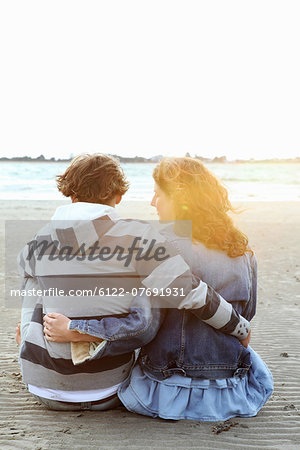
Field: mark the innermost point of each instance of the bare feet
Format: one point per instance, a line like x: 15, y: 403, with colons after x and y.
x: 18, y: 333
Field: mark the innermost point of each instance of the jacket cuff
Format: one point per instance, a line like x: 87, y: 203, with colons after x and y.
x: 82, y: 326
x: 78, y: 325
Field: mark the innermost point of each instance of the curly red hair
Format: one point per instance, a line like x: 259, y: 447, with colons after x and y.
x: 199, y: 196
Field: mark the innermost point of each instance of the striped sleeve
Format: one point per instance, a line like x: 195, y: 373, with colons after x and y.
x: 213, y: 309
x: 173, y: 273
x: 25, y: 264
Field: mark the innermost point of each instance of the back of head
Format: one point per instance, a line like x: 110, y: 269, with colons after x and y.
x: 199, y: 196
x: 93, y: 178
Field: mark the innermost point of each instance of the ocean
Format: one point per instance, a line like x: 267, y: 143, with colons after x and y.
x: 244, y: 181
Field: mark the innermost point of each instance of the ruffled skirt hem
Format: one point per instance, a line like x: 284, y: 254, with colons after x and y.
x: 179, y: 397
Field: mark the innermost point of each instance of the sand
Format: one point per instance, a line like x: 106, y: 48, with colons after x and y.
x: 274, y: 232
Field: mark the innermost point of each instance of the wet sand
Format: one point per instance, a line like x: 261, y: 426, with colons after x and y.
x: 274, y: 233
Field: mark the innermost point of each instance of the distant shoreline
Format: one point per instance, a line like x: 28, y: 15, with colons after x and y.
x: 156, y: 159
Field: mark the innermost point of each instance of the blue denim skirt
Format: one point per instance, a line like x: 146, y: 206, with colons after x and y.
x: 179, y: 397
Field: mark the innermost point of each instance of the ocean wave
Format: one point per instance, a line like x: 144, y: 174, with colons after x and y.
x: 260, y: 182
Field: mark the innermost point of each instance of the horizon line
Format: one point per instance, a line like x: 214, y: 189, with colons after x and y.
x: 153, y: 159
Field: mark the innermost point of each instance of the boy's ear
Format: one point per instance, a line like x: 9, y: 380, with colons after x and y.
x: 118, y: 198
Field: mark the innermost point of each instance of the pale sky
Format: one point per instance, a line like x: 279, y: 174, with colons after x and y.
x: 150, y: 77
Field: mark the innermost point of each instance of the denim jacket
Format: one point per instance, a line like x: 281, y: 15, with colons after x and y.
x: 175, y: 341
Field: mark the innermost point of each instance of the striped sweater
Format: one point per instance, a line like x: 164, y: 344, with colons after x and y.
x: 93, y: 268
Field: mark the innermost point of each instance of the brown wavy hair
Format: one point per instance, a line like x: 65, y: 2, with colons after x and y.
x: 199, y: 196
x: 93, y: 178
